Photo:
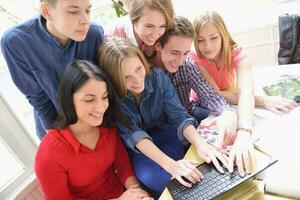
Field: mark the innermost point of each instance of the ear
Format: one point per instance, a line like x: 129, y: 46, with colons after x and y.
x: 45, y: 10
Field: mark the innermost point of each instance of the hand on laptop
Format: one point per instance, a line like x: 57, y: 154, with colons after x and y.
x: 210, y: 154
x: 241, y: 153
x: 226, y: 125
x: 185, y: 171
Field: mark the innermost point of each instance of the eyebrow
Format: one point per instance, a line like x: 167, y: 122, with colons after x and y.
x: 213, y: 34
x: 92, y: 95
x: 73, y: 6
x: 149, y: 23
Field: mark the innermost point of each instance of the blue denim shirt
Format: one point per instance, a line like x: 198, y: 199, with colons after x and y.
x: 36, y: 59
x: 159, y: 108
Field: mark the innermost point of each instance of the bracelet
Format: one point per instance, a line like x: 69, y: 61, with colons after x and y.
x: 244, y: 128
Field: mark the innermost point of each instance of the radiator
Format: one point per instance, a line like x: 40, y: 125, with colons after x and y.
x: 261, y: 44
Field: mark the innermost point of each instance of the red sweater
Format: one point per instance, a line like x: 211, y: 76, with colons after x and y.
x: 66, y: 169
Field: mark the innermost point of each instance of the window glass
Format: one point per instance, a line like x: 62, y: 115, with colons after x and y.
x: 10, y: 167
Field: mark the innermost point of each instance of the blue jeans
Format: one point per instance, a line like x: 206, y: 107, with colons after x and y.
x: 152, y: 176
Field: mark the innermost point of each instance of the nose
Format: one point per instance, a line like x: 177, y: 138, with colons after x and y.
x: 157, y: 32
x: 181, y: 59
x: 135, y: 81
x: 100, y: 106
x: 207, y: 44
x: 84, y: 18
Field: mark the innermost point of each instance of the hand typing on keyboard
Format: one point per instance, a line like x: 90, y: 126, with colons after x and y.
x: 185, y: 171
x: 242, y: 154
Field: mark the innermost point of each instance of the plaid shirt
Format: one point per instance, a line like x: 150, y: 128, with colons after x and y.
x: 190, y: 77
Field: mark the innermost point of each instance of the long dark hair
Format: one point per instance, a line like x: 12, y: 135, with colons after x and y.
x: 74, y: 76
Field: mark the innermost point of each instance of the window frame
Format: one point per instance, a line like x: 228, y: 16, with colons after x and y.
x: 16, y: 137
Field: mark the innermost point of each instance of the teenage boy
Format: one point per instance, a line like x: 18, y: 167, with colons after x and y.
x: 172, y: 55
x: 38, y: 50
x: 173, y: 49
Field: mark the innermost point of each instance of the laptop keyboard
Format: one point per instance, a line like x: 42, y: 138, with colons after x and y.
x: 213, y: 184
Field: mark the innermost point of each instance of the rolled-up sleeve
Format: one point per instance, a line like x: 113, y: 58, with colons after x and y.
x: 131, y: 136
x: 186, y: 123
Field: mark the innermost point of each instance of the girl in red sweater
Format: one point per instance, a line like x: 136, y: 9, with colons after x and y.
x: 84, y: 158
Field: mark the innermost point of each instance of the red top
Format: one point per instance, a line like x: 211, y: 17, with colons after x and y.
x: 223, y: 80
x: 66, y: 169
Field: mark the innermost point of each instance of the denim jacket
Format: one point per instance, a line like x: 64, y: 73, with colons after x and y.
x: 159, y: 108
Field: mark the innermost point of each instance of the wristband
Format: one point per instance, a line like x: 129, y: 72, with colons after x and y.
x: 244, y: 128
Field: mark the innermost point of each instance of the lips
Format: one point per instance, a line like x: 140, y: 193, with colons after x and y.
x: 96, y: 115
x: 151, y: 41
x: 82, y: 31
x: 136, y: 88
x: 174, y: 66
x: 208, y: 52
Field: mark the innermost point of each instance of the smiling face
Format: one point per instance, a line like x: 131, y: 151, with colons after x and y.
x: 134, y: 73
x: 150, y: 26
x: 174, y: 52
x: 209, y: 42
x: 91, y: 102
x: 67, y: 19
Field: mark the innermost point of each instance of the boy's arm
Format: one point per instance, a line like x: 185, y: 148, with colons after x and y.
x: 24, y: 79
x: 209, y: 97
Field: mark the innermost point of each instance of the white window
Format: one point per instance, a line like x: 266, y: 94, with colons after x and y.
x: 18, y: 141
x: 17, y: 150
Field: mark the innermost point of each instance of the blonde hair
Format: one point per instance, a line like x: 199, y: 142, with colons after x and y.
x: 228, y: 44
x: 111, y: 55
x: 164, y: 6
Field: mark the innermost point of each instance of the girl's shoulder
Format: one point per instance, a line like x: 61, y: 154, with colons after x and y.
x: 237, y: 55
x: 237, y: 50
x: 198, y: 60
x: 156, y: 71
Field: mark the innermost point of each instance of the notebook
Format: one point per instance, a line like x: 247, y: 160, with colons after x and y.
x: 287, y: 86
x: 214, y: 183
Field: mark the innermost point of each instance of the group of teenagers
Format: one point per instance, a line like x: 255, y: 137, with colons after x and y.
x: 117, y: 109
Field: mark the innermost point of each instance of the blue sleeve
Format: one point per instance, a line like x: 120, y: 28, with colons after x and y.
x: 173, y: 109
x: 131, y: 136
x: 15, y: 55
x: 209, y: 98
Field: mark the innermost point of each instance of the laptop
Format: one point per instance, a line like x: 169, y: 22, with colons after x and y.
x: 214, y: 183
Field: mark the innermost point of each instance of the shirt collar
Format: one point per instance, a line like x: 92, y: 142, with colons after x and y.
x: 54, y: 40
x: 70, y: 138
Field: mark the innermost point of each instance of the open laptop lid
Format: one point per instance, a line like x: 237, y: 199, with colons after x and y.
x: 263, y: 161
